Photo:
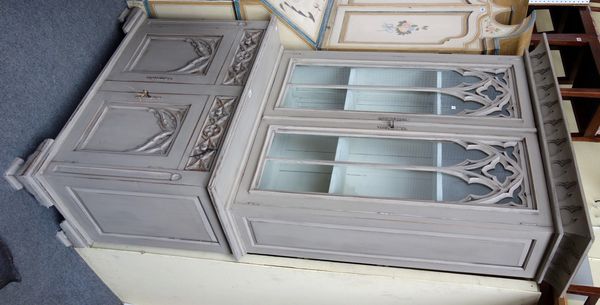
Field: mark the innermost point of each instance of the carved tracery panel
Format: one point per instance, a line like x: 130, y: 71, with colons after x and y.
x: 213, y: 131
x: 242, y: 61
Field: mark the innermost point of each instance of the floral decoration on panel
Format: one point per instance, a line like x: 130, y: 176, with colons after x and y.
x: 403, y: 27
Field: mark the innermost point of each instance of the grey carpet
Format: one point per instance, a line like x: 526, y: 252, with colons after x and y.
x: 50, y: 53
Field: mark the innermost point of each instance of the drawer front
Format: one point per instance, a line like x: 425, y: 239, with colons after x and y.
x: 135, y: 213
x: 124, y: 129
x: 176, y: 52
x: 392, y: 243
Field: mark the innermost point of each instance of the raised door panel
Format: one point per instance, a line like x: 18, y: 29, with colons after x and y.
x: 134, y: 129
x: 481, y: 179
x: 176, y: 52
x: 135, y: 213
x: 404, y: 88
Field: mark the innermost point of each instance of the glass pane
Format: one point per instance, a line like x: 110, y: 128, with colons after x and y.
x: 299, y: 178
x: 366, y: 181
x: 383, y: 183
x: 303, y: 147
x: 376, y: 101
x: 370, y: 150
x: 397, y: 90
x: 321, y: 75
x: 417, y: 169
x: 375, y: 76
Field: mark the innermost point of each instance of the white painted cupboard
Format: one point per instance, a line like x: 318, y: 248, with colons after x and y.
x: 210, y: 136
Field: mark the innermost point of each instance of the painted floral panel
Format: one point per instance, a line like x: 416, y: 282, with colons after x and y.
x: 403, y: 28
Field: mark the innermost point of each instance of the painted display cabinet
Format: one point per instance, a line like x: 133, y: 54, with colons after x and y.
x: 459, y: 163
x: 205, y: 135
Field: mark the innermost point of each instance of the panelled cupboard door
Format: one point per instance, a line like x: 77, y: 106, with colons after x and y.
x: 475, y: 178
x: 137, y: 213
x: 404, y: 88
x: 134, y: 129
x: 176, y: 52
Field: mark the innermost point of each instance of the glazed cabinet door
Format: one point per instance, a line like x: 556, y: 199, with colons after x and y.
x: 177, y: 52
x: 434, y: 200
x: 148, y: 130
x: 406, y: 88
x: 476, y: 178
x: 139, y: 213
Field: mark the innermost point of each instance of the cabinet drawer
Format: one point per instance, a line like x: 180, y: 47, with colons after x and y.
x: 448, y: 247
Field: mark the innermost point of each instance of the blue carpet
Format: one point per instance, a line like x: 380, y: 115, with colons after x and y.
x: 50, y: 53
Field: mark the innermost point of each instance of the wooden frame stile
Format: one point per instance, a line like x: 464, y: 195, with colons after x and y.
x: 231, y: 162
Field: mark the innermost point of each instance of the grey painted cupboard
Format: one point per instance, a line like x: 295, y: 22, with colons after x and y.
x: 211, y: 136
x: 132, y: 164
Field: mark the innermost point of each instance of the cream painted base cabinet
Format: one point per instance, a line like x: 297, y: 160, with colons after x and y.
x: 200, y: 130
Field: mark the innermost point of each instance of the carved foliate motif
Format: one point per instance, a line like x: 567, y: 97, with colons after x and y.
x: 169, y: 120
x: 205, y: 51
x: 212, y: 133
x: 242, y: 61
